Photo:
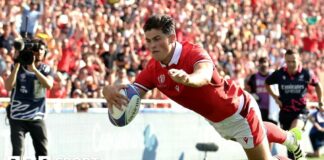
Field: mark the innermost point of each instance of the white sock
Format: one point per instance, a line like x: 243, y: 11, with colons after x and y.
x: 290, y: 140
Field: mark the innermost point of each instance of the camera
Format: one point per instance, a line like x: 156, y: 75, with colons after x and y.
x: 26, y: 48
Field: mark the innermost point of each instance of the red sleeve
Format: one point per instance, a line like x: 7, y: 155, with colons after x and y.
x: 145, y: 79
x: 198, y: 54
x: 201, y: 55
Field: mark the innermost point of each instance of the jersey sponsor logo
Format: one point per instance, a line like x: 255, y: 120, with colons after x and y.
x: 301, y: 78
x: 161, y: 78
x: 291, y: 88
x: 23, y: 89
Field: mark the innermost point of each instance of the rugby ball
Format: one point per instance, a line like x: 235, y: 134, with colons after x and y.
x: 123, y: 117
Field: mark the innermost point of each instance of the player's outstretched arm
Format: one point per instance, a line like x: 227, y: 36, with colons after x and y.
x: 201, y: 76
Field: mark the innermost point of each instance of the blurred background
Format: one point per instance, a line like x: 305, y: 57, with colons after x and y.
x: 92, y: 43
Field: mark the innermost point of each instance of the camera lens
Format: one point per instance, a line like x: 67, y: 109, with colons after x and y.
x: 26, y: 57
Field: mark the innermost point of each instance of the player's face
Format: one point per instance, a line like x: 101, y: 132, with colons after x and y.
x: 40, y: 54
x: 159, y: 44
x: 292, y: 62
x: 263, y: 66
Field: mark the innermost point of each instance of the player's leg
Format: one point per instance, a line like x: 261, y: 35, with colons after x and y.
x: 286, y: 119
x: 265, y: 118
x: 258, y: 129
x: 252, y: 139
x: 38, y: 133
x: 274, y: 133
x: 260, y: 152
x: 289, y: 139
x: 254, y: 131
x: 246, y: 127
x: 297, y: 123
x: 261, y: 149
x: 17, y: 135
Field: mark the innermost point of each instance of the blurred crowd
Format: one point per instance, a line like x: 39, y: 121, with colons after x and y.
x: 92, y: 43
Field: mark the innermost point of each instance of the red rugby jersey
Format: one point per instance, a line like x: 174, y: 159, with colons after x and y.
x: 215, y: 101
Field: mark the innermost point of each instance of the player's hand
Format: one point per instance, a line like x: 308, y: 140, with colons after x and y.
x: 278, y: 101
x: 113, y: 97
x: 179, y: 76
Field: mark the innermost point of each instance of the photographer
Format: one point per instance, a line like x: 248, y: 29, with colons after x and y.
x: 28, y: 82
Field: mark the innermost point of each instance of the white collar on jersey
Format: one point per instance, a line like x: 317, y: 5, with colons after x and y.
x: 176, y: 55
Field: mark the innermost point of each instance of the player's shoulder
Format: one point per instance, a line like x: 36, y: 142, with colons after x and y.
x: 280, y: 70
x: 191, y: 50
x: 191, y: 47
x: 274, y: 74
x: 306, y: 71
x: 252, y: 77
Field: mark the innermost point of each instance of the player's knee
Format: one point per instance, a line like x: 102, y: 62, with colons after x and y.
x: 299, y: 123
x: 259, y: 152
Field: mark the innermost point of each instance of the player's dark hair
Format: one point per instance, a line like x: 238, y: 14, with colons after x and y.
x: 291, y: 52
x: 164, y: 23
x: 40, y: 43
x: 263, y: 59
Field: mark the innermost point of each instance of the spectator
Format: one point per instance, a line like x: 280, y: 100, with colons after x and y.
x: 33, y: 12
x: 122, y: 77
x: 316, y: 134
x: 109, y: 57
x: 3, y: 77
x: 131, y: 76
x: 7, y: 38
x: 3, y: 56
x: 3, y: 91
x: 247, y: 29
x: 81, y: 107
x: 59, y: 89
x: 27, y: 106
